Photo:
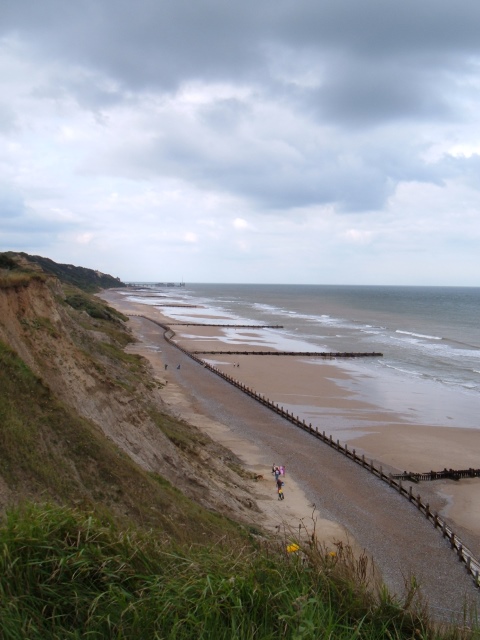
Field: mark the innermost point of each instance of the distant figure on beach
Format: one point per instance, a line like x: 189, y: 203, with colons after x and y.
x: 277, y: 473
x: 166, y: 367
x: 282, y: 470
x: 178, y: 366
x: 280, y: 494
x: 279, y: 483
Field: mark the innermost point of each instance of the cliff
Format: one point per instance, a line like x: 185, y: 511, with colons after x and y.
x: 86, y: 279
x: 83, y: 422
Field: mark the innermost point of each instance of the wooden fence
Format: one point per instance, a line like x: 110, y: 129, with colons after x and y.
x: 472, y: 564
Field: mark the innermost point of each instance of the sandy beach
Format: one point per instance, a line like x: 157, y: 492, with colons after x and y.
x: 318, y: 389
x: 350, y: 510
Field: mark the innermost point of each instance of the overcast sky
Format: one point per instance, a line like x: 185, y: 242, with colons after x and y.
x: 285, y: 141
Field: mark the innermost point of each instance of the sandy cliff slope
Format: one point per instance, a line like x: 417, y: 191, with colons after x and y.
x: 80, y: 364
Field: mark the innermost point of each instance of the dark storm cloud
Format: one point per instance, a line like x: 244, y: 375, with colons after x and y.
x: 379, y: 59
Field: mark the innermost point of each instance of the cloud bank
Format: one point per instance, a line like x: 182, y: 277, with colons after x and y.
x: 309, y: 142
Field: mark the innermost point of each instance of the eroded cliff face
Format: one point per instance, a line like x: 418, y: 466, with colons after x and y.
x: 79, y: 361
x: 62, y: 347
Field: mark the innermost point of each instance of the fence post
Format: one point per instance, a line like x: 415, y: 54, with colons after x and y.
x: 363, y: 460
x: 410, y: 494
x: 427, y: 511
x: 389, y: 479
x: 371, y: 466
x: 418, y: 501
x: 444, y: 529
x: 399, y: 485
x: 435, y: 520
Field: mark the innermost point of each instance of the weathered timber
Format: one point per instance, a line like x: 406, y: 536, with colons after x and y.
x: 446, y: 474
x: 322, y: 354
x: 231, y: 326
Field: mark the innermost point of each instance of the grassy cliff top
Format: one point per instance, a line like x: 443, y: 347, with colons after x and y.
x: 86, y: 279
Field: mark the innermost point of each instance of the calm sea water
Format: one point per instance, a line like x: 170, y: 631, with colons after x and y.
x: 429, y: 336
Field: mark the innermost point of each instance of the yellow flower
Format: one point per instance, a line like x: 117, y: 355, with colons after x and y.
x: 291, y: 548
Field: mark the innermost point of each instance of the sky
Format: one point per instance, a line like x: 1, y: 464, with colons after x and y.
x: 286, y: 141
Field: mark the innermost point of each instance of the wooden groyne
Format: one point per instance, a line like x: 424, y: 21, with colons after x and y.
x: 446, y: 474
x: 320, y: 354
x: 230, y: 326
x: 183, y: 306
x: 463, y: 553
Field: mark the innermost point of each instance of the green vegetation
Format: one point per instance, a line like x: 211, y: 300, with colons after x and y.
x: 94, y: 308
x: 65, y: 574
x: 6, y: 262
x: 17, y: 279
x: 85, y: 279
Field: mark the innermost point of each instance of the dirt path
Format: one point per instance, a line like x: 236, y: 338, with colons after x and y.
x: 380, y: 521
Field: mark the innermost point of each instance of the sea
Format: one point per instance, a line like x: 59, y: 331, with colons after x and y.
x: 429, y: 337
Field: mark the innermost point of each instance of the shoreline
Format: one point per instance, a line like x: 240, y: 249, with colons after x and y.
x: 321, y: 391
x: 377, y: 520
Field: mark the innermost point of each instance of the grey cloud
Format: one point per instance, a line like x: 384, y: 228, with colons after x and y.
x: 8, y: 122
x: 357, y: 94
x: 381, y: 59
x: 355, y: 172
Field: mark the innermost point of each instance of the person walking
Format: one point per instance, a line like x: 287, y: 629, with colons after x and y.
x: 280, y: 488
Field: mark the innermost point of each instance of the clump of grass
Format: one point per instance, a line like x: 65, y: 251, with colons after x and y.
x: 64, y: 573
x: 96, y: 309
x: 19, y: 279
x: 184, y: 436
